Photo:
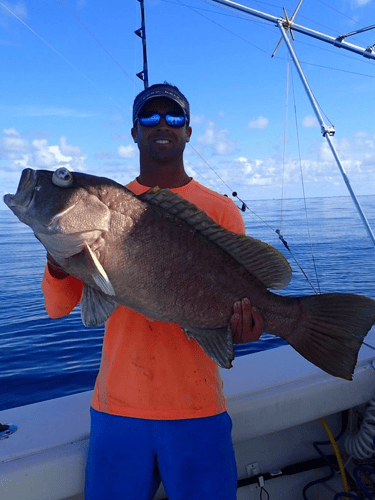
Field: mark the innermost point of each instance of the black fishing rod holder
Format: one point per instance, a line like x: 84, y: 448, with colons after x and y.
x: 141, y: 32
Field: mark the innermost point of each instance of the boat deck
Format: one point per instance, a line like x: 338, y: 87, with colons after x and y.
x: 270, y: 394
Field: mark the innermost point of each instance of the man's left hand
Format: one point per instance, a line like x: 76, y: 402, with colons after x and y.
x: 247, y: 323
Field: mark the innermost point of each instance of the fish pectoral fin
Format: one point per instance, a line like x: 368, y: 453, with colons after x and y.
x: 97, y: 272
x: 216, y: 343
x: 96, y: 307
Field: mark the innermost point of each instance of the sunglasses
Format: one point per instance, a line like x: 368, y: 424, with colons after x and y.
x: 154, y: 119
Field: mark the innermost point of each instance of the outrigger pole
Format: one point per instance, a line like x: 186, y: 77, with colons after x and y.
x: 285, y: 25
x: 141, y: 32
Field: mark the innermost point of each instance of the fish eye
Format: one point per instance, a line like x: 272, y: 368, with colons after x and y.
x: 62, y: 177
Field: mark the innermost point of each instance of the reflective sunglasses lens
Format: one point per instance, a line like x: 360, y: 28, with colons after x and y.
x: 153, y: 120
x: 149, y: 121
x: 175, y: 121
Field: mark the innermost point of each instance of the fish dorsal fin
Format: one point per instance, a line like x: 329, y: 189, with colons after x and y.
x: 265, y: 262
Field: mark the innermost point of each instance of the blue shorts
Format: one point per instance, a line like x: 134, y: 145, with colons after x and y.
x: 129, y: 457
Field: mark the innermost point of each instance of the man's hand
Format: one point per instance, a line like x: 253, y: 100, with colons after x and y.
x: 247, y: 322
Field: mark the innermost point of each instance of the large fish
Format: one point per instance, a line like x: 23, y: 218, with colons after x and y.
x: 163, y: 257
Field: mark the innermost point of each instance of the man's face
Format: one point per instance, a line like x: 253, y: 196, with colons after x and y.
x: 162, y: 142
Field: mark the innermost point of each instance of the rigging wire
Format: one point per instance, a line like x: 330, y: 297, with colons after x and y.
x: 330, y: 67
x: 218, y: 24
x: 265, y: 26
x: 278, y: 231
x: 66, y: 4
x: 43, y: 40
x: 339, y: 12
x: 244, y: 205
x: 285, y: 139
x: 340, y: 54
x: 303, y: 190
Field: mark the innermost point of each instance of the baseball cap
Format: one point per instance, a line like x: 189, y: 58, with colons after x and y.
x: 161, y: 90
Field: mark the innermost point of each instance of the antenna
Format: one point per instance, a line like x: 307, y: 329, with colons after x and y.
x: 288, y: 25
x: 141, y: 32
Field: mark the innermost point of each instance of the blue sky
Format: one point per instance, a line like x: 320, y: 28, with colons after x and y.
x: 68, y: 83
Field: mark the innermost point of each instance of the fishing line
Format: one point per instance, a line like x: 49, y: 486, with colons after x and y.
x: 217, y: 24
x: 331, y: 68
x: 214, y: 171
x: 303, y: 187
x: 67, y: 5
x: 337, y: 55
x: 285, y: 138
x: 245, y: 207
x: 339, y: 12
x: 60, y: 55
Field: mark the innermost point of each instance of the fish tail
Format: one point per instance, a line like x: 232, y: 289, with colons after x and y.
x: 331, y: 330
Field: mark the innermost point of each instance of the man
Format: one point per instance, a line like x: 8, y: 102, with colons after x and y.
x: 158, y: 409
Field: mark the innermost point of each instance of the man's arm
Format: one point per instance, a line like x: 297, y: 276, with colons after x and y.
x: 62, y: 292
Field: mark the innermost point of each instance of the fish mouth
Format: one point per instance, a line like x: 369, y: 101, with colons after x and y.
x: 25, y: 191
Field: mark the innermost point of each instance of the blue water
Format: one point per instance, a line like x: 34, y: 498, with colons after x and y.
x: 43, y: 359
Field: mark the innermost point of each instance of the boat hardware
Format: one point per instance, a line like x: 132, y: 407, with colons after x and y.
x: 141, y: 32
x: 288, y: 25
x: 7, y: 430
x: 284, y: 25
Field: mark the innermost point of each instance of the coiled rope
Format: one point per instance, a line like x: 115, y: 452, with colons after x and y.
x: 360, y: 445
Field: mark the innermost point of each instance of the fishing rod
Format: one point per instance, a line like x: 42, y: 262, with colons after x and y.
x: 287, y: 25
x: 141, y: 32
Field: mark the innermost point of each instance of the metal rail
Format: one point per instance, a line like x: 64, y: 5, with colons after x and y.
x: 285, y: 25
x: 367, y: 52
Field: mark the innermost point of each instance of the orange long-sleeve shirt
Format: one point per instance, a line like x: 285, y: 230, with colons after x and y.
x: 150, y: 369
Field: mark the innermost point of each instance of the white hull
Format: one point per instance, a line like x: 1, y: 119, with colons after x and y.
x: 275, y: 399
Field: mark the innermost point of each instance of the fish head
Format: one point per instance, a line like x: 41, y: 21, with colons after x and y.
x: 63, y: 209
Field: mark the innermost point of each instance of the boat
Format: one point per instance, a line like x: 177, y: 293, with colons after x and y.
x: 277, y: 416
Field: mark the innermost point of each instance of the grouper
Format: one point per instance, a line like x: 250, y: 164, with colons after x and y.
x: 161, y: 256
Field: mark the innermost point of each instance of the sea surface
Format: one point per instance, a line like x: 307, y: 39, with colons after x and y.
x: 42, y: 359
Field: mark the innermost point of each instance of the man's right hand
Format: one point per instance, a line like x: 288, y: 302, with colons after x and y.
x: 54, y: 268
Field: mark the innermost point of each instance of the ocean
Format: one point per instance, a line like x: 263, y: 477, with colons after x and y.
x: 43, y: 359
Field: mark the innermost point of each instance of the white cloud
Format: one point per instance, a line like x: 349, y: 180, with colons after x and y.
x: 17, y: 153
x: 256, y: 172
x: 127, y: 151
x: 41, y: 155
x: 217, y: 140
x: 196, y: 120
x: 260, y: 123
x: 12, y: 142
x: 68, y: 150
x: 310, y: 121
